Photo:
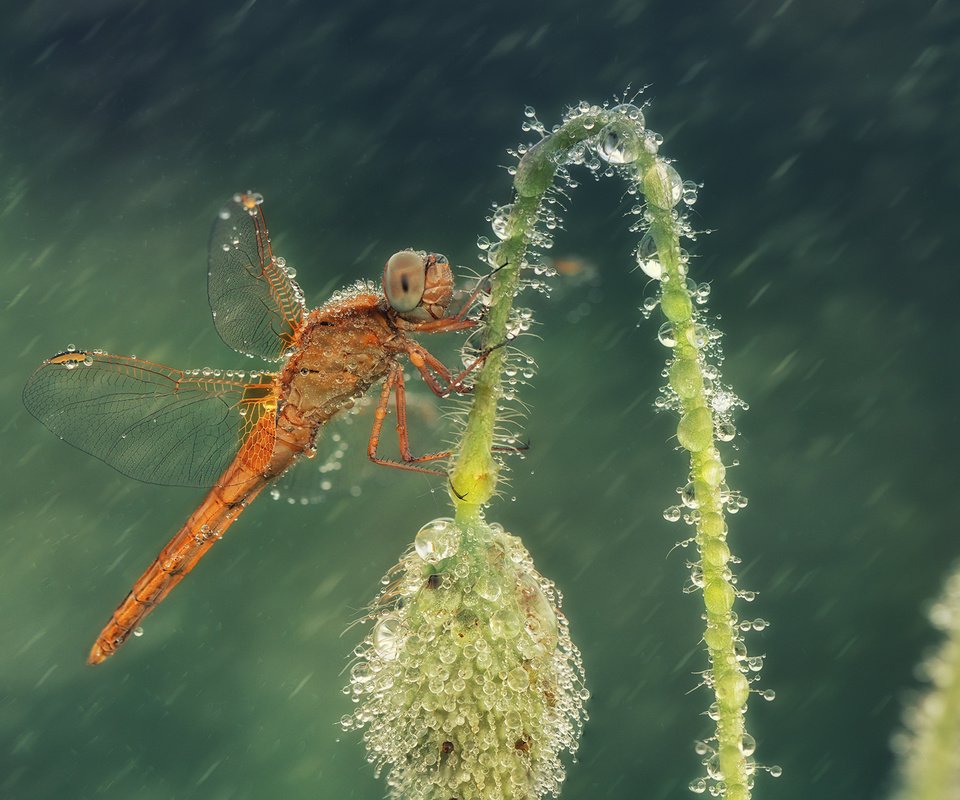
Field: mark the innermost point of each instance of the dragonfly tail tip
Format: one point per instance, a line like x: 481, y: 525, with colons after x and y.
x: 97, y: 656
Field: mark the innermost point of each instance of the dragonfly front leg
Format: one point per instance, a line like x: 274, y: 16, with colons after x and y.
x: 429, y: 367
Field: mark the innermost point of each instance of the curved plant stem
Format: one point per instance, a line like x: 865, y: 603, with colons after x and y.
x: 475, y: 471
x: 618, y: 137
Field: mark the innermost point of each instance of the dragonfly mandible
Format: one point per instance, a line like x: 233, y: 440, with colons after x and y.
x: 235, y: 432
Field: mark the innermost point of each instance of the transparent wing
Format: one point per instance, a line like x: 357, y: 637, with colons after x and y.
x: 257, y: 306
x: 151, y: 422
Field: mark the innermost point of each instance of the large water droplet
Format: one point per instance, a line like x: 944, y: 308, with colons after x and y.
x: 361, y: 673
x: 666, y: 335
x: 500, y: 219
x: 662, y: 185
x: 437, y: 540
x: 647, y: 258
x: 387, y: 637
x: 620, y: 143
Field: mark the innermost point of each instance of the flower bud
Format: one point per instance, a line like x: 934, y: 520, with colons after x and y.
x: 468, y: 685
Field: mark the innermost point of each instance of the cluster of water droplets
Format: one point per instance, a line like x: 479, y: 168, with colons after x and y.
x: 714, y: 783
x: 86, y: 360
x: 468, y: 685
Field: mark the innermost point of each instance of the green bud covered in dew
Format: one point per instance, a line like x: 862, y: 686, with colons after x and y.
x: 468, y: 684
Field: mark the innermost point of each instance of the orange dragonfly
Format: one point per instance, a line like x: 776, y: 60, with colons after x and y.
x: 234, y: 432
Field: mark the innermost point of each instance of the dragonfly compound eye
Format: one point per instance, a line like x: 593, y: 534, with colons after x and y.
x: 404, y: 280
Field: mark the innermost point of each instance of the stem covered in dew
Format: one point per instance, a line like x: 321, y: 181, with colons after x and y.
x: 615, y: 140
x: 475, y: 471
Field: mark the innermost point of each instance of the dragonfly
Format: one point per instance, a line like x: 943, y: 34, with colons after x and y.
x: 235, y: 432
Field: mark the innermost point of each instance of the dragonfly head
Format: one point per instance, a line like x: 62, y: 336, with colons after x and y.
x: 418, y: 285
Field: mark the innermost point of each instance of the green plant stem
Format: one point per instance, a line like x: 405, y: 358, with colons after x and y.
x: 475, y: 471
x: 695, y: 432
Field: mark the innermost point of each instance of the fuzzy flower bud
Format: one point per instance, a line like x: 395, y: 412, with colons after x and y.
x: 468, y: 685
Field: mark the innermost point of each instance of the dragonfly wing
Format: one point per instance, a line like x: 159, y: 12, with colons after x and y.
x: 257, y: 306
x: 154, y: 423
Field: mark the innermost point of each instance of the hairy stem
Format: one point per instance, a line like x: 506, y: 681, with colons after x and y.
x: 594, y: 135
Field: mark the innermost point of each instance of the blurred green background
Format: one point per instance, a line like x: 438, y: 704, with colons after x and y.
x: 824, y: 134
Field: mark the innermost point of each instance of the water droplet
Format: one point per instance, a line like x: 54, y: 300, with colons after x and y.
x: 387, y: 637
x: 138, y: 631
x: 496, y: 258
x: 662, y: 185
x: 666, y: 335
x: 713, y: 767
x: 500, y: 220
x: 769, y: 695
x: 361, y: 673
x: 647, y: 258
x: 726, y: 431
x: 88, y: 360
x: 672, y: 513
x: 518, y: 679
x: 437, y: 540
x: 652, y: 141
x: 620, y: 143
x: 505, y: 624
x: 488, y: 588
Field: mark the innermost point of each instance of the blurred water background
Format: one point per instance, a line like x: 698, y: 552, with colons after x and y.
x: 824, y: 133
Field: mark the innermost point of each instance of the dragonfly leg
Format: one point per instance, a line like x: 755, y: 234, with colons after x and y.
x: 430, y: 367
x: 471, y: 298
x: 393, y: 384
